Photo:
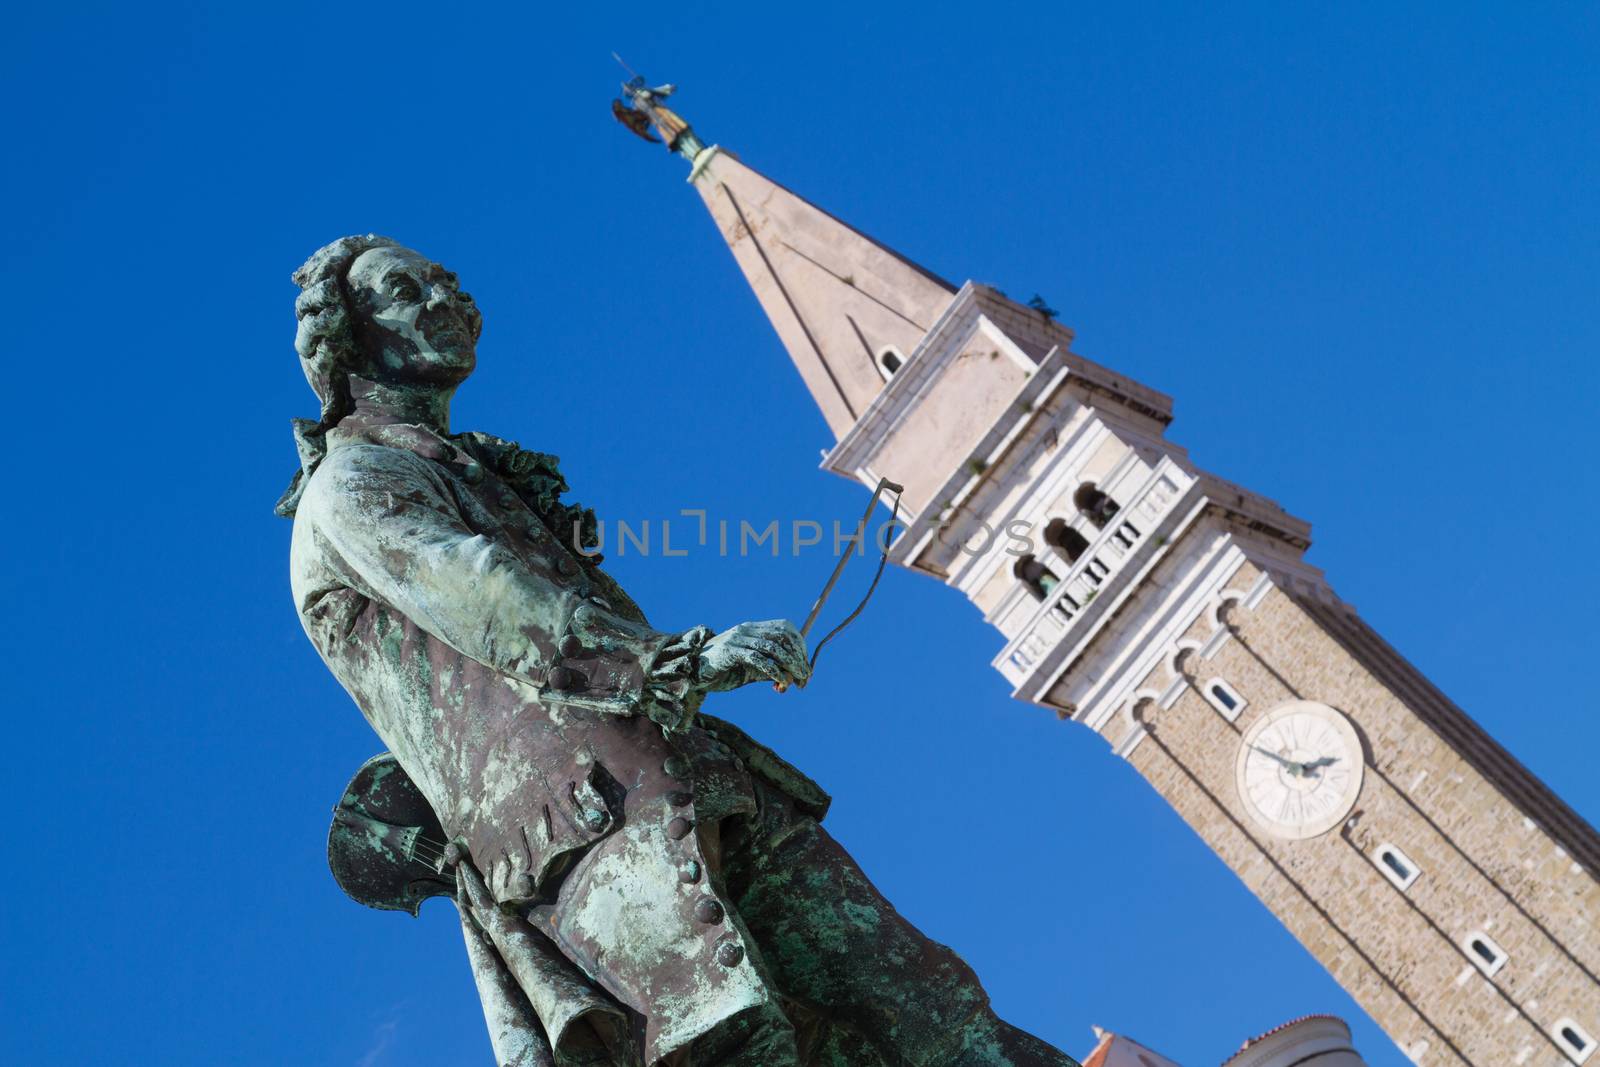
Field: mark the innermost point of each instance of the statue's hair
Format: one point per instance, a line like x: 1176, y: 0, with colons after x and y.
x: 325, y: 339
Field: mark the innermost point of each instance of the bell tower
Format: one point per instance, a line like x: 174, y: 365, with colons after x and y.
x: 1172, y: 612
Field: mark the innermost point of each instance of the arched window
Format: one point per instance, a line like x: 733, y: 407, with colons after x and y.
x: 1036, y: 576
x: 1064, y: 539
x: 889, y: 361
x: 1574, y: 1040
x: 1482, y: 950
x: 1396, y: 866
x: 1224, y: 697
x: 1094, y: 504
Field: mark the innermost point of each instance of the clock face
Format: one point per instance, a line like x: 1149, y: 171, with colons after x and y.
x: 1299, y: 769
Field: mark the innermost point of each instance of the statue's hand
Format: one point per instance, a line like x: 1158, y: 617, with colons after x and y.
x: 753, y: 651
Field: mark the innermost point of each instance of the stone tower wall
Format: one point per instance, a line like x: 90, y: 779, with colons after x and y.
x: 1486, y: 865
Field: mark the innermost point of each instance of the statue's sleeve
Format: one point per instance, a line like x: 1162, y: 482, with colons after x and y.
x: 391, y: 525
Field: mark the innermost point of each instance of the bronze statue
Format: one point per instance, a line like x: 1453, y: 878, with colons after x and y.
x: 638, y: 882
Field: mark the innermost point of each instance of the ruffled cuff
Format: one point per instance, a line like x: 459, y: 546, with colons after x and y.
x: 672, y: 690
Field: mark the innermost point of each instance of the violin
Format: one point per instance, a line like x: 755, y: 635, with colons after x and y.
x: 386, y: 847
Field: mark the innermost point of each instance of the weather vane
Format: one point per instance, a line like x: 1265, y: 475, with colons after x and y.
x: 642, y: 108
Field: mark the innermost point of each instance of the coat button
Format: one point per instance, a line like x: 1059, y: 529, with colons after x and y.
x: 562, y: 678
x: 729, y: 953
x: 678, y: 800
x: 676, y: 767
x: 508, y: 499
x: 707, y: 910
x: 567, y: 566
x: 679, y: 828
x: 472, y: 472
x: 595, y: 819
x: 689, y: 873
x: 571, y: 646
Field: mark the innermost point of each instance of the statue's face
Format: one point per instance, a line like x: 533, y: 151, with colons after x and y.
x: 413, y: 323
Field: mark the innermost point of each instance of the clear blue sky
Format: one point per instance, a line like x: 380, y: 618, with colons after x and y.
x: 1357, y: 245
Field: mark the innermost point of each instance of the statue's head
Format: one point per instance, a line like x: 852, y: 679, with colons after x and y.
x: 372, y: 308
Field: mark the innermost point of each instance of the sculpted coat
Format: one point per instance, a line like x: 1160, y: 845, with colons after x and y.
x: 448, y: 609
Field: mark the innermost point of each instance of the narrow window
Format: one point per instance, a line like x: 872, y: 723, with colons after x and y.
x: 1036, y: 576
x: 1396, y: 866
x: 1224, y: 697
x: 1095, y: 505
x: 1064, y: 539
x: 889, y: 361
x: 1482, y: 950
x: 1573, y: 1039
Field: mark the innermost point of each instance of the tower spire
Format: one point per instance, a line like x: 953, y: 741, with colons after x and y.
x: 849, y: 310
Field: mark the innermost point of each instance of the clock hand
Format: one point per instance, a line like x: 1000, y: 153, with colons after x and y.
x: 1294, y: 769
x: 1319, y: 763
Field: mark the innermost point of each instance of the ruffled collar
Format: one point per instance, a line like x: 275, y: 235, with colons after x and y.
x: 536, y: 478
x: 311, y: 442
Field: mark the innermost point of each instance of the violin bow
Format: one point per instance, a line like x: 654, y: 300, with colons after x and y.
x: 884, y: 485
